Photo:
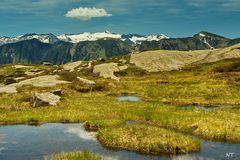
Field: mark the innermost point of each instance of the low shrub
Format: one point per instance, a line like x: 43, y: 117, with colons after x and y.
x: 67, y: 76
x: 85, y: 88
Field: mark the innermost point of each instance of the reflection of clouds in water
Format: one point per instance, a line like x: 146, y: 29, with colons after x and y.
x: 2, y: 137
x: 111, y: 158
x: 191, y: 157
x: 80, y: 132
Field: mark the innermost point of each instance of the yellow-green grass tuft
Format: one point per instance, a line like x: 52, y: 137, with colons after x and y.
x: 147, y: 139
x: 76, y: 156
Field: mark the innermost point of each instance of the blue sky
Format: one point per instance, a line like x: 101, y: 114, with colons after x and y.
x: 175, y: 18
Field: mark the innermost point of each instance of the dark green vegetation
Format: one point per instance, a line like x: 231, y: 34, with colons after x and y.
x: 160, y: 113
x: 197, y: 42
x: 36, y: 52
x: 76, y: 156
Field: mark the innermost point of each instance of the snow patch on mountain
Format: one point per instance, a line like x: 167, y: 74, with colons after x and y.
x: 204, y: 38
x: 45, y: 38
x: 139, y: 39
x: 86, y: 36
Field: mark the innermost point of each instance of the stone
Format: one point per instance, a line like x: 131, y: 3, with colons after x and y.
x: 124, y: 61
x: 47, y: 64
x: 34, y: 72
x: 17, y: 66
x: 107, y: 70
x: 86, y: 81
x: 42, y: 81
x: 45, y: 99
x: 19, y: 79
x: 8, y: 89
x: 72, y: 66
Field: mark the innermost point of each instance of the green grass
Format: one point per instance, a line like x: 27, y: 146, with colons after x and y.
x: 162, y: 93
x: 76, y: 156
x: 147, y: 139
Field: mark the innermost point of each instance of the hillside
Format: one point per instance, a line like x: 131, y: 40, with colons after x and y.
x: 166, y: 60
x: 35, y: 52
x: 200, y: 41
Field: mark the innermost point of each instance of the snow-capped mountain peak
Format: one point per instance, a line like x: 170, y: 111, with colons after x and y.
x: 45, y: 38
x: 85, y: 36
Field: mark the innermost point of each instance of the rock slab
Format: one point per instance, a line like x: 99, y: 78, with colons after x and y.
x: 45, y: 99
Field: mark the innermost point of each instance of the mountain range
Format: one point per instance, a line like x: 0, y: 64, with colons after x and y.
x: 38, y: 48
x: 86, y: 36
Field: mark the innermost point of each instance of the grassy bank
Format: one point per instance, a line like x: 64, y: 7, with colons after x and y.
x: 147, y: 139
x: 76, y: 156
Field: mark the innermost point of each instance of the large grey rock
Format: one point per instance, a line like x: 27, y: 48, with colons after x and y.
x: 72, y: 66
x: 45, y: 99
x: 34, y: 72
x: 8, y: 89
x: 42, y: 81
x: 107, y: 70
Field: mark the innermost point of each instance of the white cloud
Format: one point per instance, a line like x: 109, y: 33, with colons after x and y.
x: 87, y: 13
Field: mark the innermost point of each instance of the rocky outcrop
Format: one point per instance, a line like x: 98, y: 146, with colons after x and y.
x: 86, y: 81
x: 161, y: 60
x: 42, y: 81
x: 18, y: 66
x: 45, y: 99
x: 107, y: 70
x: 8, y: 89
x: 34, y: 72
x: 71, y: 66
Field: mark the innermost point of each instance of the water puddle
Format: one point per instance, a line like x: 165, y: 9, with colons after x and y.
x: 208, y: 108
x: 134, y: 122
x: 129, y: 98
x: 31, y: 142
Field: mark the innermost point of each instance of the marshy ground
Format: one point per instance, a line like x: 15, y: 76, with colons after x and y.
x: 165, y: 128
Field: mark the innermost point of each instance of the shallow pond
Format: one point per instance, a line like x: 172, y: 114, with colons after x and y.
x: 37, y: 143
x: 129, y: 98
x: 209, y: 108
